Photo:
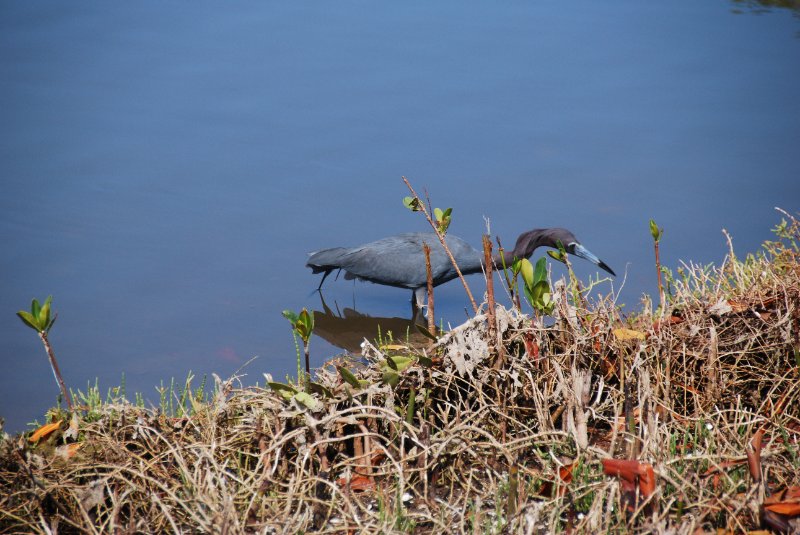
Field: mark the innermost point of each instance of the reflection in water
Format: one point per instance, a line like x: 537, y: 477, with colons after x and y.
x: 347, y: 329
x: 765, y: 6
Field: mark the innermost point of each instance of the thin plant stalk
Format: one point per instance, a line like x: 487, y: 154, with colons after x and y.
x: 444, y: 244
x: 656, y: 233
x: 308, y: 363
x: 56, y: 371
x: 429, y: 272
x: 661, y: 295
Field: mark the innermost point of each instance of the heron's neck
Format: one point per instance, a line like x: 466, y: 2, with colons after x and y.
x: 477, y: 264
x: 526, y: 244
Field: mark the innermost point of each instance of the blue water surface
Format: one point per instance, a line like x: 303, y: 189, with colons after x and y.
x: 165, y: 167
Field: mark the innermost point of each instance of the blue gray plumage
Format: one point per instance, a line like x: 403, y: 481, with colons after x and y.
x: 399, y: 261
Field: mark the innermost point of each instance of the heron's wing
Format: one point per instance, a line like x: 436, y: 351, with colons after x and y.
x: 395, y: 261
x: 326, y: 259
x: 398, y: 260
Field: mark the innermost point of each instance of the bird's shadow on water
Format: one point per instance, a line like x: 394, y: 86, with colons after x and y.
x: 347, y: 328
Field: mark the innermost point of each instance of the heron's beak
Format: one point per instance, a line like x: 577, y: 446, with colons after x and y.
x: 586, y: 254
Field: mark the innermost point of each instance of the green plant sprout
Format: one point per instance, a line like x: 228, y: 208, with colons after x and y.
x: 40, y: 321
x: 440, y: 225
x: 657, y: 233
x: 535, y: 284
x: 302, y: 326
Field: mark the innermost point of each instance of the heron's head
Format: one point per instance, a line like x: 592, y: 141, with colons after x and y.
x: 553, y: 237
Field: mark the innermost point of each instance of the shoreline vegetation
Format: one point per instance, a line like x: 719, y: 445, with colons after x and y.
x: 681, y: 418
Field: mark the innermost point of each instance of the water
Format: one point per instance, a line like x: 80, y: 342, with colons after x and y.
x: 164, y: 170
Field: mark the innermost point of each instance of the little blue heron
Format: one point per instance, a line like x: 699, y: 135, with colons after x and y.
x: 399, y: 261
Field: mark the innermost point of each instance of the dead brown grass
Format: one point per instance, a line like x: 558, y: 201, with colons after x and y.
x: 464, y: 443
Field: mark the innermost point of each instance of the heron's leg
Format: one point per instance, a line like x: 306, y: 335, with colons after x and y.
x: 418, y: 297
x: 325, y: 276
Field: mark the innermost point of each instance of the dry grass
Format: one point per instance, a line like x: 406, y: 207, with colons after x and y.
x: 509, y: 442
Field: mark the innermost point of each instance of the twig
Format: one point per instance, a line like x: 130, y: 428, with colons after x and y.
x: 661, y: 295
x: 490, y: 313
x: 444, y: 243
x: 56, y: 371
x: 429, y: 272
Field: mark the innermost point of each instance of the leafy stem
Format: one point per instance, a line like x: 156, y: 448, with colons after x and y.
x: 39, y: 319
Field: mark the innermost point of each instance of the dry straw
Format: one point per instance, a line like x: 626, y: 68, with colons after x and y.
x: 457, y: 446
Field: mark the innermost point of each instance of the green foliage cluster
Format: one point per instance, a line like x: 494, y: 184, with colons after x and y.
x: 535, y: 284
x: 38, y: 318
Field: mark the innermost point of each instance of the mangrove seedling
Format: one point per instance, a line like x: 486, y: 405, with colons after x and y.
x: 415, y: 204
x: 39, y: 320
x: 302, y: 326
x: 535, y: 284
x: 657, y: 233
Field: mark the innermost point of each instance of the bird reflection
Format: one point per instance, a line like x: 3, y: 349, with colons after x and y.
x: 348, y: 328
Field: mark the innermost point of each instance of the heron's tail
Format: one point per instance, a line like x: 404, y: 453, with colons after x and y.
x: 326, y: 259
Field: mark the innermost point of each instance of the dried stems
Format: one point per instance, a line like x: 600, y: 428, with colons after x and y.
x: 428, y: 455
x: 429, y: 273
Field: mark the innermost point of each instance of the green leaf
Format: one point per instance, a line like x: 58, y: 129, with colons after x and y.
x: 516, y: 266
x: 286, y: 391
x: 543, y: 297
x: 425, y: 361
x: 412, y: 203
x: 399, y: 363
x: 438, y: 214
x: 655, y: 232
x: 530, y: 297
x: 305, y: 324
x: 35, y: 308
x: 558, y: 256
x: 412, y: 401
x: 307, y: 400
x: 348, y: 376
x: 44, y: 313
x: 291, y: 316
x: 425, y: 332
x: 540, y: 273
x: 317, y: 388
x: 526, y: 269
x: 28, y: 319
x: 390, y: 377
x: 52, y: 322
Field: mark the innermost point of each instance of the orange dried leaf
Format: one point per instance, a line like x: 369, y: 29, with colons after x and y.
x: 565, y: 473
x: 359, y: 483
x: 44, y: 431
x: 788, y: 495
x: 624, y: 468
x: 754, y: 455
x: 647, y: 479
x: 792, y: 493
x: 785, y: 508
x: 632, y: 471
